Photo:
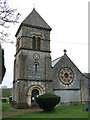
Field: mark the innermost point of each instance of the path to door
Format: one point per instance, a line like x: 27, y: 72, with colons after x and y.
x: 20, y: 111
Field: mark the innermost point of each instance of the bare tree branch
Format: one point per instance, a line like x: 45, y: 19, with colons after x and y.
x: 8, y: 16
x: 4, y: 37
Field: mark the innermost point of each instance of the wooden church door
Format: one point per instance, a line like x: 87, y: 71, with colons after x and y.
x: 35, y: 94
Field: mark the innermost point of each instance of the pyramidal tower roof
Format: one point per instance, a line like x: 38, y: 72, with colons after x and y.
x: 34, y: 19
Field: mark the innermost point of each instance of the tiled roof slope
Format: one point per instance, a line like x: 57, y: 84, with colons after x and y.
x: 54, y: 62
x: 34, y: 19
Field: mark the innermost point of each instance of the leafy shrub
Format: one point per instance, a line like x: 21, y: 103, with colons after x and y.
x: 48, y: 101
x: 86, y: 107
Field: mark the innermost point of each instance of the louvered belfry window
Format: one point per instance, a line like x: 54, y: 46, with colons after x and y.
x: 36, y: 41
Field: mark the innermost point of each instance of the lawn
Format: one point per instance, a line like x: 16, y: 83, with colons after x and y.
x: 6, y: 107
x: 59, y: 112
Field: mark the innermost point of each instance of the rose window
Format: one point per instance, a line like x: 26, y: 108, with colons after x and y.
x: 66, y: 75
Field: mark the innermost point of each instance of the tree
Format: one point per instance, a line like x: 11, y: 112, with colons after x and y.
x: 8, y: 16
x: 2, y: 66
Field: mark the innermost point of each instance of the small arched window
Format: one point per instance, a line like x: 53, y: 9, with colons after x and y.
x: 38, y: 43
x: 36, y: 65
x: 34, y: 42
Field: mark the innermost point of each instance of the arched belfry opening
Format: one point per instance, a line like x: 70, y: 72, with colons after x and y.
x: 36, y: 41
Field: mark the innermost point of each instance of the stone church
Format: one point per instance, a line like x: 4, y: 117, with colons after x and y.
x: 35, y: 73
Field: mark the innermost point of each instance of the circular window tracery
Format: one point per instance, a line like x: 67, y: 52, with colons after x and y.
x: 66, y: 75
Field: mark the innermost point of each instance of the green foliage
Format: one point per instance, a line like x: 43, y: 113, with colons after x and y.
x: 48, y: 101
x: 6, y: 92
x: 3, y: 66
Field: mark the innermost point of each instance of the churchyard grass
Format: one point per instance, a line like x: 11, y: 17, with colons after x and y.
x: 59, y: 112
x: 6, y: 107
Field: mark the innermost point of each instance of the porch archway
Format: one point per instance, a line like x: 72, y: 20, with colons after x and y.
x: 33, y: 92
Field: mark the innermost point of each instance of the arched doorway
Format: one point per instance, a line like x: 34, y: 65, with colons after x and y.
x: 33, y: 92
x: 34, y: 95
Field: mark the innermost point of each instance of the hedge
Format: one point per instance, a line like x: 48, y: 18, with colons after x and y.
x: 48, y: 101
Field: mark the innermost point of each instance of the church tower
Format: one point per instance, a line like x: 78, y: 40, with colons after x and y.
x: 32, y: 65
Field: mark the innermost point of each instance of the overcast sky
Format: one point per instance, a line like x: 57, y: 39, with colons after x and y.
x: 69, y: 22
